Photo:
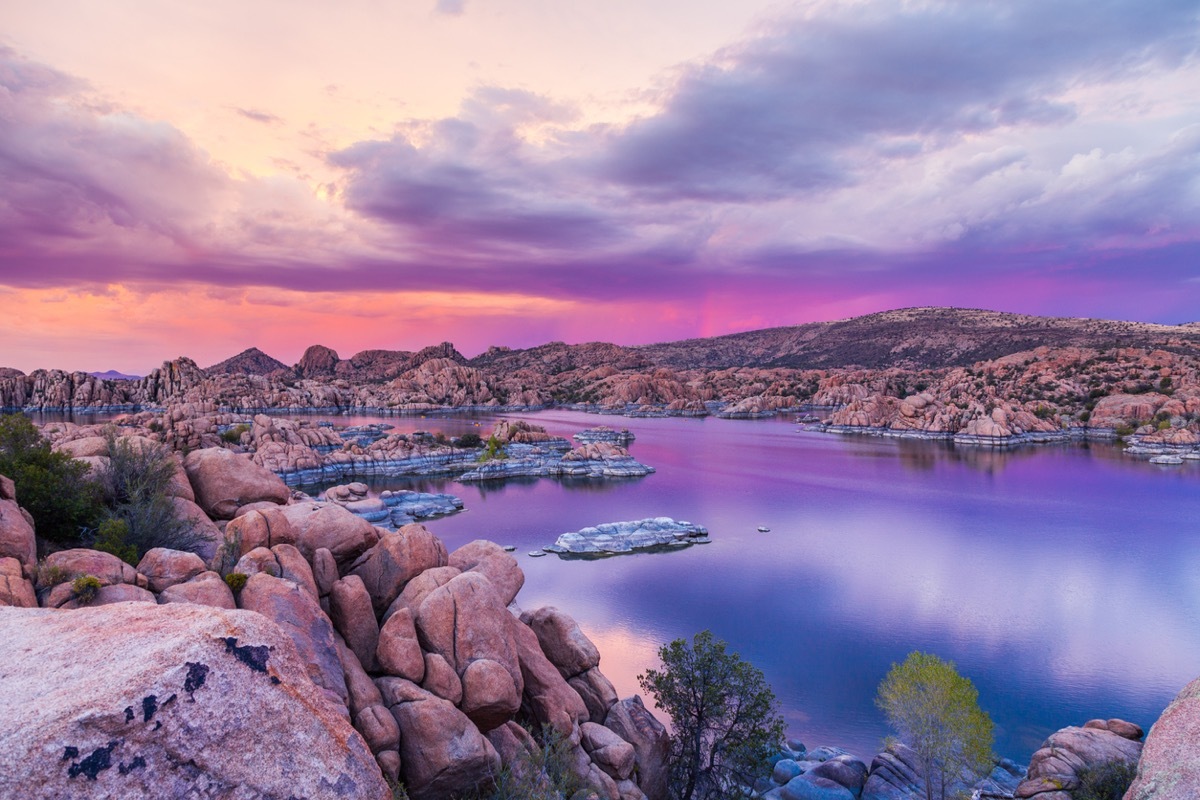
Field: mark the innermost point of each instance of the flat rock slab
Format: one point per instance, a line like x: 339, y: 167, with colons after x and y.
x: 177, y: 700
x: 613, y: 538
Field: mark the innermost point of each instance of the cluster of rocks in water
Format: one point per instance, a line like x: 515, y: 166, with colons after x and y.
x: 371, y: 655
x: 393, y: 508
x: 615, y: 538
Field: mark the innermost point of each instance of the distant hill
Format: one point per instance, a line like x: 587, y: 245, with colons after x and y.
x: 113, y: 375
x: 247, y: 362
x: 913, y: 338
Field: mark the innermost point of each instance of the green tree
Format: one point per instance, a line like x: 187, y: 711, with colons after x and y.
x: 935, y: 711
x: 53, y: 487
x: 725, y: 716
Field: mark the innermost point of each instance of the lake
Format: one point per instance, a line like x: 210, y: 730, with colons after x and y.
x: 1063, y: 580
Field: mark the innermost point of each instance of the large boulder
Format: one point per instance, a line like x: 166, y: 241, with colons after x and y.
x: 490, y: 559
x: 597, y: 692
x: 164, y: 567
x: 417, y: 589
x: 265, y: 527
x: 206, y: 533
x: 296, y: 611
x: 395, y: 560
x: 399, y: 652
x: 329, y: 526
x: 562, y: 640
x: 441, y: 753
x: 1170, y: 764
x: 17, y: 538
x: 15, y: 588
x: 550, y: 701
x: 1056, y: 766
x: 206, y: 589
x: 142, y: 700
x: 465, y: 623
x: 224, y: 481
x: 350, y: 610
x: 282, y: 561
x: 633, y: 722
x: 607, y: 750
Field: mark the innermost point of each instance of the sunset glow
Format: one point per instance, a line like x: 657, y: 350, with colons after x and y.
x: 189, y: 179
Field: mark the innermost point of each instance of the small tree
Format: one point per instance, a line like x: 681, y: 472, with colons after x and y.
x: 725, y: 716
x: 53, y: 487
x: 935, y: 711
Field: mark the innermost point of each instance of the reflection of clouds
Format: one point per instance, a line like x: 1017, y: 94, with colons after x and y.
x: 1082, y: 609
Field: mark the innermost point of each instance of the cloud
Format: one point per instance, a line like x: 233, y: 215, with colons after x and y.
x: 900, y: 152
x: 259, y: 116
x: 452, y: 8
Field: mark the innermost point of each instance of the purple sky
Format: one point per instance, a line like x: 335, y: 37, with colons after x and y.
x: 509, y: 173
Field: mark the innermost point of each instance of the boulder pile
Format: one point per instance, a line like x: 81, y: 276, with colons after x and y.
x: 371, y: 655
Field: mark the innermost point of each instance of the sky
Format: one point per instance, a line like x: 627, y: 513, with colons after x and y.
x: 181, y: 178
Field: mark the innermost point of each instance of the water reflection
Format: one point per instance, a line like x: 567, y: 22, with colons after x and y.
x: 1064, y: 580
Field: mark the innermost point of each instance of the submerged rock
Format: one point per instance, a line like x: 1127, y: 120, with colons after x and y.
x: 612, y: 538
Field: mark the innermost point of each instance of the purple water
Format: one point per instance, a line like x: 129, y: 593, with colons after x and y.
x: 1064, y: 581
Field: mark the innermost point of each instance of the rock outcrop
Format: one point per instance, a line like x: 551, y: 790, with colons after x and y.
x: 142, y: 700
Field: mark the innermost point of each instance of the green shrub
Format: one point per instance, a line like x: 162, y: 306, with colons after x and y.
x: 1107, y: 781
x: 113, y: 537
x: 237, y: 581
x: 85, y: 588
x: 545, y: 774
x: 48, y: 575
x: 234, y: 435
x: 135, y: 488
x: 493, y: 452
x: 471, y: 440
x: 53, y: 487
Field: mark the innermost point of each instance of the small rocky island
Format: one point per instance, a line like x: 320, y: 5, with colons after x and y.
x: 616, y: 538
x: 393, y: 509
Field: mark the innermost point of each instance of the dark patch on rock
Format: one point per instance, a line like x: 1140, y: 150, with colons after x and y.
x: 253, y: 656
x: 275, y: 680
x: 137, y: 763
x: 149, y: 707
x: 97, y: 761
x: 344, y: 787
x: 129, y: 713
x: 197, y: 673
x: 70, y: 753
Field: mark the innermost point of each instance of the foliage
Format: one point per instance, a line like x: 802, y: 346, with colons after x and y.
x: 85, y: 588
x: 494, y: 450
x: 50, y: 575
x: 113, y: 537
x: 234, y: 435
x: 53, y: 487
x: 725, y: 716
x: 544, y: 774
x: 470, y: 440
x: 398, y: 790
x: 236, y: 581
x: 936, y: 712
x: 135, y: 488
x: 1107, y: 781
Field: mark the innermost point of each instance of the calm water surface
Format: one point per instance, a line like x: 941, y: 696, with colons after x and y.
x: 1064, y: 581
